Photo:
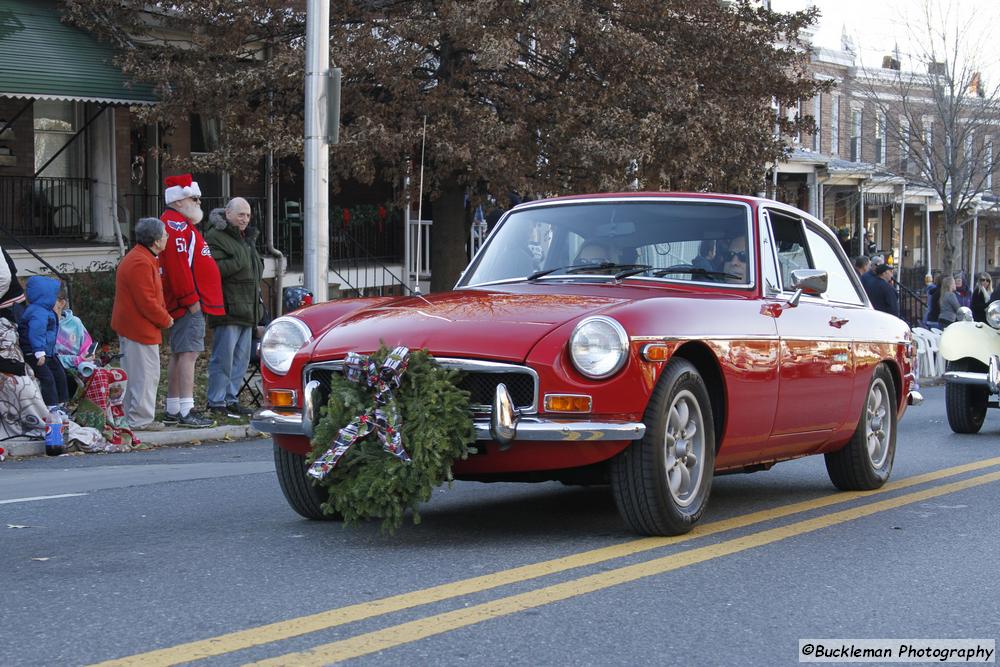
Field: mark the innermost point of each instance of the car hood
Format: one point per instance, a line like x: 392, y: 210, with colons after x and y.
x: 467, y: 323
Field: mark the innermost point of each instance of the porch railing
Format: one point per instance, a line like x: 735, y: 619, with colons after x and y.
x: 46, y: 207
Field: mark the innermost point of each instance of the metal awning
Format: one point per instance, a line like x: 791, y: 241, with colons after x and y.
x: 46, y: 59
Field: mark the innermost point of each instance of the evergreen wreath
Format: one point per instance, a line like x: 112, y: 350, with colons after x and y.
x: 369, y: 482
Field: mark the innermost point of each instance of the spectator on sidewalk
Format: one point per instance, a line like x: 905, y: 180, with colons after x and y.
x: 948, y: 301
x: 11, y: 292
x: 138, y: 315
x: 861, y: 264
x: 881, y: 292
x: 981, y: 293
x: 962, y: 290
x: 37, y: 332
x: 192, y: 288
x: 241, y: 269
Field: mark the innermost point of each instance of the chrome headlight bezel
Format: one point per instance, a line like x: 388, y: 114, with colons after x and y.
x: 276, y: 353
x: 993, y: 314
x: 602, y: 365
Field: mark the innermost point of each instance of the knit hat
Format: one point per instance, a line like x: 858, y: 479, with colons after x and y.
x: 882, y: 268
x: 180, y: 187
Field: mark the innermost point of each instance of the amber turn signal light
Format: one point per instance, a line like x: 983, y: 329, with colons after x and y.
x: 281, y: 398
x: 655, y: 352
x: 567, y: 403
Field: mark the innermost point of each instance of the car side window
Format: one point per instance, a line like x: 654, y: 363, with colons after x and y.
x: 840, y: 287
x: 790, y: 246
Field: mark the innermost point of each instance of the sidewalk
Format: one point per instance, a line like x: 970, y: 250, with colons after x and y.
x: 170, y: 436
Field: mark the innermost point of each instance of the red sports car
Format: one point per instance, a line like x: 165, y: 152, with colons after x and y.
x: 646, y: 340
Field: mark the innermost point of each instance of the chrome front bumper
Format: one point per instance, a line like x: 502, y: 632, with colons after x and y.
x: 990, y: 379
x: 504, y: 425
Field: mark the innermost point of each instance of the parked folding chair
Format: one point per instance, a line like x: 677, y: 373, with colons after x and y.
x: 252, y: 380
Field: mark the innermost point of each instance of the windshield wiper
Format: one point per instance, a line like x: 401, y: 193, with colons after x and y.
x: 695, y: 271
x: 602, y: 266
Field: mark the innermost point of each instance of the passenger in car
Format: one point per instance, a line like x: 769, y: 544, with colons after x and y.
x: 705, y: 259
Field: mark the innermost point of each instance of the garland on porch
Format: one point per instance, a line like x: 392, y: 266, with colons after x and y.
x: 393, y: 426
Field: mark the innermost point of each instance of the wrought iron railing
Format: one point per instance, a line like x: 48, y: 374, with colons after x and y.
x: 46, y: 207
x: 912, y: 305
x: 361, y: 273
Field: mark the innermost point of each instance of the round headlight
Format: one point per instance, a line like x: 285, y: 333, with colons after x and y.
x: 993, y: 314
x: 283, y: 338
x: 598, y: 347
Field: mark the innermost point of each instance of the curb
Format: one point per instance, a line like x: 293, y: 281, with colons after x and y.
x: 166, y: 438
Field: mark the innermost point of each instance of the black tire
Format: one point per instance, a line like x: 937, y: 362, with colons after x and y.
x: 966, y: 404
x: 304, y: 497
x: 643, y: 475
x: 865, y: 462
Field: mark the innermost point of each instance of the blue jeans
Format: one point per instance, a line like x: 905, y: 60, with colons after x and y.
x: 228, y: 363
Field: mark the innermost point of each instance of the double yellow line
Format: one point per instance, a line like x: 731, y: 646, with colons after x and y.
x: 396, y: 635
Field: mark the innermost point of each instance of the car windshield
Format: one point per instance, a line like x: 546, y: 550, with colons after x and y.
x: 678, y: 240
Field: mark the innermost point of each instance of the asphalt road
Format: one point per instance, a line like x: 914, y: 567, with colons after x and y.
x: 193, y: 553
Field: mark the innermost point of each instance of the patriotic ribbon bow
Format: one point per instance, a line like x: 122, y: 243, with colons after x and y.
x: 383, y: 418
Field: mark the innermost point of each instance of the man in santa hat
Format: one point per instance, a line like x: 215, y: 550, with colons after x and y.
x: 192, y: 288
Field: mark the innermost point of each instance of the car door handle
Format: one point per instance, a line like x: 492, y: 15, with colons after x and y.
x: 836, y: 322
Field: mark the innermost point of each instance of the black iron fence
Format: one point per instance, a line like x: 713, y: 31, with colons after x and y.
x: 46, y: 207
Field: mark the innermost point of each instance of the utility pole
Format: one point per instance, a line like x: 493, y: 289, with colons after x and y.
x: 316, y: 213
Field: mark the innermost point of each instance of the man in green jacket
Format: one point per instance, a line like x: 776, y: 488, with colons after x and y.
x: 241, y: 269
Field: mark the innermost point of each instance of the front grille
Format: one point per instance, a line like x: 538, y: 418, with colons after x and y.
x: 480, y: 379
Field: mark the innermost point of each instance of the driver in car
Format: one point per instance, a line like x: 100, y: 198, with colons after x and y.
x: 735, y: 263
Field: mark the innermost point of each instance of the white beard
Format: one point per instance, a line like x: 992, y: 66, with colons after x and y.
x: 189, y: 210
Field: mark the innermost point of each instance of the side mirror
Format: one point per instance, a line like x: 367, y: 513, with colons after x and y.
x: 810, y: 281
x: 807, y: 281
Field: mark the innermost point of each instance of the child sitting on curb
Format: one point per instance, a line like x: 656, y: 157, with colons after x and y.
x: 37, y: 331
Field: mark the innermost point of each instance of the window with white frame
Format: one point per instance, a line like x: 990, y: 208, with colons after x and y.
x: 855, y: 134
x: 818, y: 115
x: 880, y: 137
x: 905, y: 161
x: 988, y: 161
x: 835, y: 125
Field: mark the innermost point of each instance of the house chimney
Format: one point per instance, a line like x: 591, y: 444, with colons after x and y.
x: 976, y: 85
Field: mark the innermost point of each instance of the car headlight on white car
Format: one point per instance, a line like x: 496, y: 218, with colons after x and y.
x: 283, y: 338
x: 993, y: 314
x: 598, y: 347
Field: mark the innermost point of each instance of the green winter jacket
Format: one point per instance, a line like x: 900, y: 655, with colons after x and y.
x: 241, y: 268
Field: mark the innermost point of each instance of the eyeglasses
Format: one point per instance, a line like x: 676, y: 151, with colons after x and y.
x: 985, y: 280
x: 728, y: 256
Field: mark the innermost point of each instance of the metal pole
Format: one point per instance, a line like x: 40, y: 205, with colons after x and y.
x: 316, y: 220
x: 861, y: 219
x: 929, y: 277
x: 902, y: 228
x: 975, y: 237
x: 420, y: 210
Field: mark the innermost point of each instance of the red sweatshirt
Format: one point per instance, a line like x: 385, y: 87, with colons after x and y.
x: 189, y: 271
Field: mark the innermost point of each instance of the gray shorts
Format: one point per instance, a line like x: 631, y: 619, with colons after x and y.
x: 188, y: 333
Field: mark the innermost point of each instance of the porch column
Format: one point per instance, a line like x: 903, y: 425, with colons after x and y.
x: 861, y: 218
x: 813, y: 195
x: 102, y: 176
x: 902, y: 227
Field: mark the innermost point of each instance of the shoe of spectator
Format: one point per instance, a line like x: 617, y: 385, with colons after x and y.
x: 150, y: 426
x: 218, y: 410
x: 171, y: 418
x: 239, y: 410
x: 194, y: 420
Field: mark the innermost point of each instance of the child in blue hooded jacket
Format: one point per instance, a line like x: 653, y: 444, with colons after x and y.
x: 37, y: 333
